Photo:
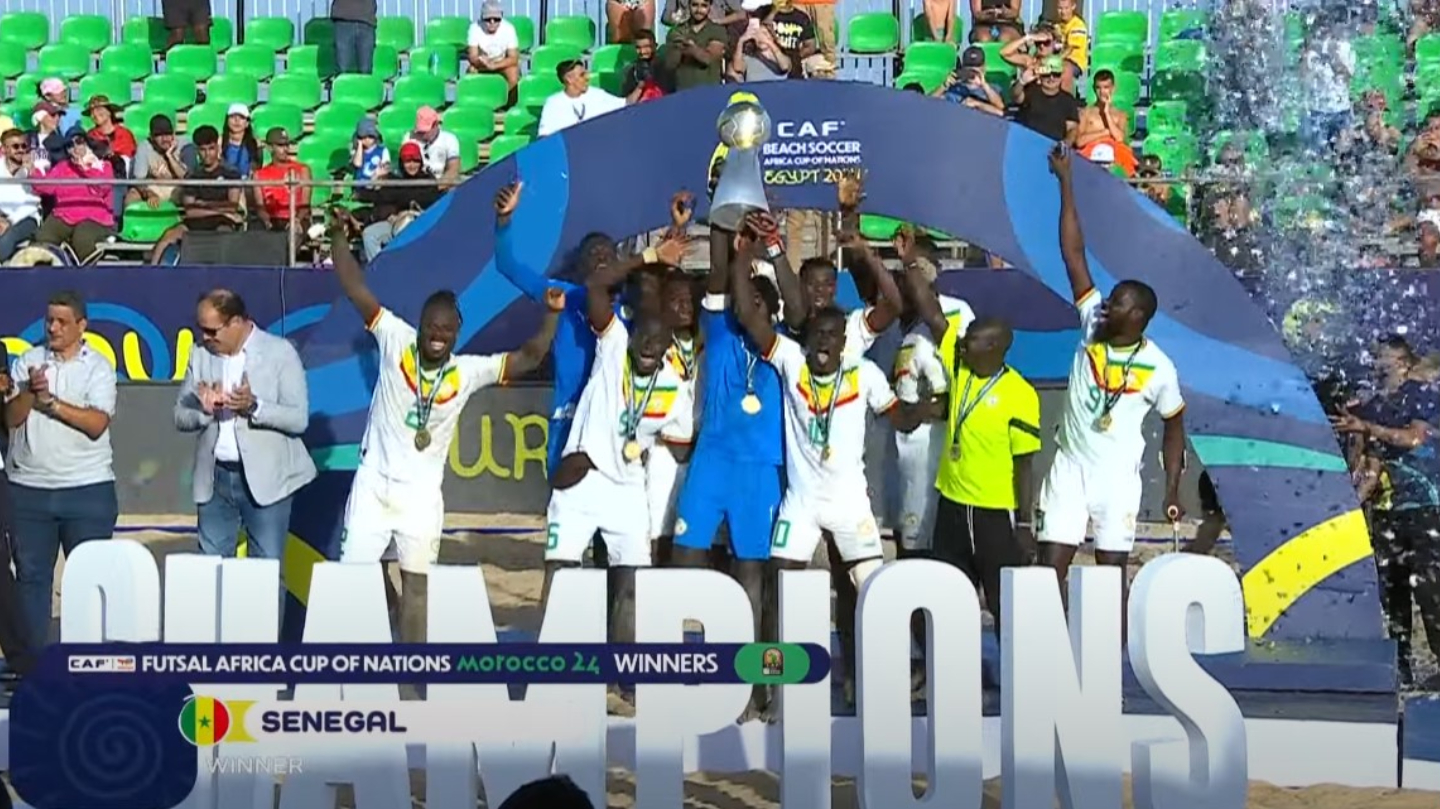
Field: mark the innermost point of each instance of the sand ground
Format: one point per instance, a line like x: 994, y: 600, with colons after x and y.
x: 512, y: 566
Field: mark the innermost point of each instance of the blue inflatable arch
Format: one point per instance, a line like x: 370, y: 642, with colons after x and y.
x: 1300, y: 539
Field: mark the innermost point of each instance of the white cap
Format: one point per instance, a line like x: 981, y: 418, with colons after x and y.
x: 238, y: 109
x: 1102, y: 153
x: 755, y: 5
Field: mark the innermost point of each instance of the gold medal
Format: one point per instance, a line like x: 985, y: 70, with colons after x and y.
x: 422, y: 439
x: 632, y: 451
x: 750, y: 404
x: 825, y: 454
x: 1103, y: 423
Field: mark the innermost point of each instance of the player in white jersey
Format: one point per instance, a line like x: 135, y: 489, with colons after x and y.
x: 633, y: 406
x: 664, y: 476
x: 395, y: 500
x: 1117, y: 377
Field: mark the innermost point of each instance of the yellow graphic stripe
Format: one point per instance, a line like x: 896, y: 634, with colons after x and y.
x: 204, y: 721
x: 237, y: 732
x: 295, y: 567
x: 1302, y: 562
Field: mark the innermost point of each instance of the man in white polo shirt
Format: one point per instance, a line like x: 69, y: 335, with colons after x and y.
x: 577, y: 100
x: 492, y: 45
x: 19, y: 206
x: 440, y: 149
x: 62, y: 481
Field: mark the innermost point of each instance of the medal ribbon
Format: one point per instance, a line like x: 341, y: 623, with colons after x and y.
x: 634, y: 413
x: 829, y: 408
x: 687, y: 356
x: 424, y: 404
x: 1112, y: 398
x: 963, y: 410
x: 750, y: 360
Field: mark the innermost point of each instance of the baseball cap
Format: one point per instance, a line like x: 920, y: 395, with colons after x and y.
x: 51, y: 86
x: 366, y: 128
x: 490, y: 10
x: 426, y: 119
x: 411, y: 151
x: 277, y: 137
x: 1103, y: 153
x: 972, y: 57
x: 161, y: 125
x: 1051, y: 66
x: 238, y: 109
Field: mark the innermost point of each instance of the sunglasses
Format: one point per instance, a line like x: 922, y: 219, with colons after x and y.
x: 18, y: 146
x: 490, y: 19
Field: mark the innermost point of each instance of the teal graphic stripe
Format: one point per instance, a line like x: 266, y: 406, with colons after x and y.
x: 338, y: 458
x: 1230, y: 450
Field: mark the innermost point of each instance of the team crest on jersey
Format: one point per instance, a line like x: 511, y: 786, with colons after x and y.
x: 449, y: 383
x: 902, y: 363
x: 680, y: 527
x: 1111, y: 375
x: 817, y: 397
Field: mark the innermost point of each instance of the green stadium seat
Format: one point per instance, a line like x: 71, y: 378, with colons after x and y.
x: 420, y: 90
x: 141, y: 223
x: 69, y: 62
x: 469, y: 155
x: 878, y: 228
x: 993, y: 60
x: 195, y: 62
x: 385, y: 64
x: 1122, y: 25
x: 269, y: 115
x: 318, y: 31
x: 90, y: 31
x: 233, y: 88
x: 524, y: 31
x: 1181, y: 54
x: 521, y: 121
x: 1178, y: 151
x: 1176, y: 22
x: 326, y: 155
x: 1427, y: 49
x: 475, y: 121
x: 611, y: 81
x: 873, y: 33
x: 27, y: 90
x: 506, y: 145
x: 148, y: 32
x: 255, y: 61
x: 1381, y: 46
x: 29, y: 29
x: 169, y: 89
x: 137, y: 117
x: 1122, y: 54
x: 442, y: 61
x: 395, y: 122
x: 929, y: 79
x: 113, y: 86
x: 544, y: 59
x: 296, y: 90
x: 611, y: 58
x: 920, y: 29
x: 211, y: 113
x: 338, y: 118
x: 1294, y: 22
x: 573, y: 31
x: 1167, y: 116
x: 447, y: 32
x: 222, y: 35
x: 395, y: 32
x: 13, y: 59
x: 365, y: 92
x: 276, y: 33
x: 482, y: 89
x: 311, y: 60
x: 535, y: 88
x: 930, y: 57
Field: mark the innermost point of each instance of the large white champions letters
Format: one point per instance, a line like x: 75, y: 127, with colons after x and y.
x: 1062, y: 732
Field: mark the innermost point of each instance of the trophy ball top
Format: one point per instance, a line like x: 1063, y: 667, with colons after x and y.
x: 744, y: 125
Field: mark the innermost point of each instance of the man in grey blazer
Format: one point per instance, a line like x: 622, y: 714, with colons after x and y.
x: 244, y: 392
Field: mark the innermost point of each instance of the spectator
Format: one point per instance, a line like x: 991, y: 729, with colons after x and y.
x: 626, y: 17
x: 108, y: 129
x: 725, y: 13
x: 273, y: 200
x: 795, y: 33
x: 493, y: 45
x: 1375, y: 134
x: 642, y: 78
x: 440, y: 148
x: 56, y: 92
x: 14, y: 637
x: 1071, y: 31
x: 1423, y: 157
x: 967, y: 86
x: 82, y: 217
x: 1150, y: 168
x: 993, y: 19
x: 354, y: 22
x: 238, y: 147
x: 695, y: 50
x: 757, y: 55
x: 822, y: 24
x: 1028, y: 52
x: 391, y: 204
x: 577, y: 101
x: 48, y: 139
x: 1227, y: 218
x: 182, y: 14
x: 19, y: 205
x: 370, y: 160
x: 158, y: 158
x: 60, y: 465
x: 1104, y: 129
x: 205, y: 208
x: 1043, y: 106
x: 1425, y: 18
x: 1326, y: 67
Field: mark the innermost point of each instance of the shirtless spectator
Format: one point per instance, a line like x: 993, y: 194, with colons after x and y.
x: 1423, y: 159
x: 1102, y: 133
x: 993, y: 19
x: 157, y: 158
x: 938, y: 17
x: 493, y: 46
x: 967, y: 86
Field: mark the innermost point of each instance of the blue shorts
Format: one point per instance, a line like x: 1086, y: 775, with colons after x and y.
x: 745, y: 496
x: 557, y: 433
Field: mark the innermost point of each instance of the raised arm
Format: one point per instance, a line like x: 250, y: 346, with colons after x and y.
x: 717, y: 277
x: 352, y: 277
x: 1072, y: 241
x: 525, y: 279
x: 887, y: 304
x: 753, y: 319
x: 922, y: 287
x: 599, y: 305
x: 768, y: 232
x: 528, y: 356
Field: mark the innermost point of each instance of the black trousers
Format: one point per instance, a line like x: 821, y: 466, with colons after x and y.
x: 1407, y: 556
x: 13, y: 641
x: 979, y: 541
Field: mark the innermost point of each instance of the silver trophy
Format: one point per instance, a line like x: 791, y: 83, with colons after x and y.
x: 744, y: 127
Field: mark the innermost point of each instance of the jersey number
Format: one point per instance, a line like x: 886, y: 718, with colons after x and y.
x: 552, y: 536
x: 782, y: 534
x: 1096, y: 399
x: 626, y: 422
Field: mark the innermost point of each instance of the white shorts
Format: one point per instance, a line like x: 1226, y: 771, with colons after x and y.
x: 663, y: 479
x: 917, y: 462
x: 1074, y: 494
x: 845, y: 514
x: 620, y: 512
x: 385, y: 519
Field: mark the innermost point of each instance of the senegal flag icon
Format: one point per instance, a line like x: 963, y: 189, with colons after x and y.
x: 204, y: 721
